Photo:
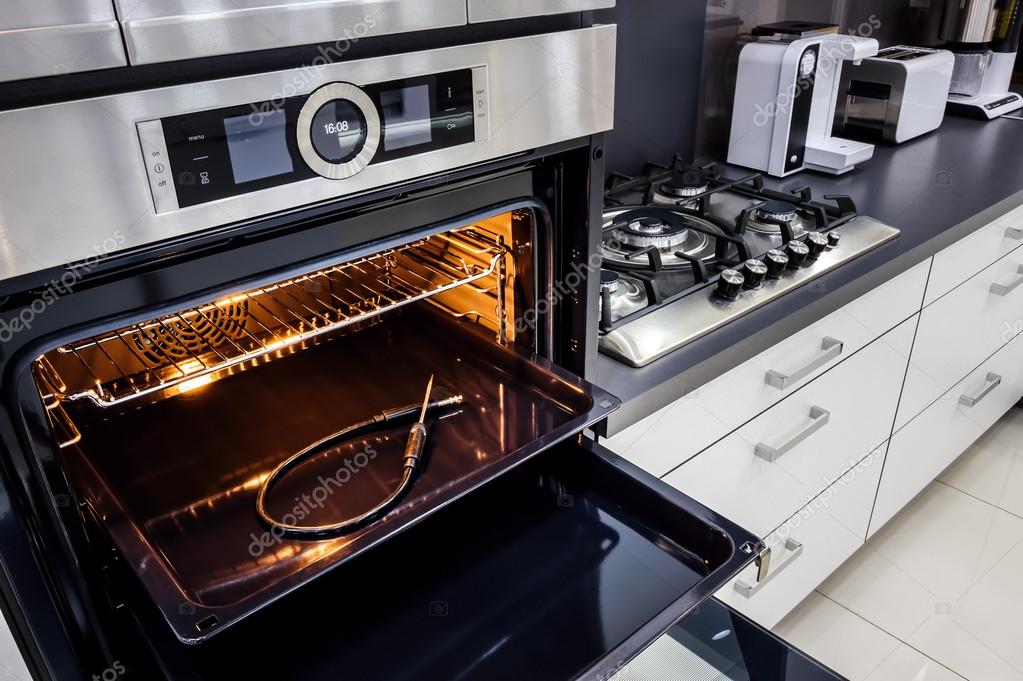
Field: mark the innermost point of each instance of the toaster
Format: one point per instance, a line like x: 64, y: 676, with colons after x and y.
x: 894, y: 96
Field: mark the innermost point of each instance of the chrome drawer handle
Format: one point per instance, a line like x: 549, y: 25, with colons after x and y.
x: 1014, y: 233
x: 831, y: 348
x: 991, y: 382
x: 764, y: 576
x: 818, y: 419
x: 1006, y: 289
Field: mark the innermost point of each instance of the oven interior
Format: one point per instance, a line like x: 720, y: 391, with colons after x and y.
x: 167, y: 426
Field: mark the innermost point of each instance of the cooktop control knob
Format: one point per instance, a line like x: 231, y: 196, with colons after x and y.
x: 834, y: 238
x: 776, y: 262
x: 798, y: 252
x: 817, y: 243
x: 754, y: 271
x: 729, y: 285
x: 338, y: 131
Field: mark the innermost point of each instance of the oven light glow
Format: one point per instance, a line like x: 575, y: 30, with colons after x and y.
x: 194, y: 384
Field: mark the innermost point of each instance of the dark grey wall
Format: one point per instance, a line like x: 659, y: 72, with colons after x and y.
x: 660, y: 46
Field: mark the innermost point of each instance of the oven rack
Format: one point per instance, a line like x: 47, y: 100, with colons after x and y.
x: 189, y: 348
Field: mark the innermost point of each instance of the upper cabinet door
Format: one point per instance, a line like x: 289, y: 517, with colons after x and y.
x: 489, y: 10
x: 49, y: 37
x: 168, y: 30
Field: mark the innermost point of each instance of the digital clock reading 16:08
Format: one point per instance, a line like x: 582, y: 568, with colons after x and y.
x: 336, y: 128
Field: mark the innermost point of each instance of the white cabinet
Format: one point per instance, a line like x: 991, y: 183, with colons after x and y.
x: 669, y: 437
x: 769, y: 468
x: 923, y: 449
x: 973, y: 253
x: 961, y: 330
x: 808, y: 547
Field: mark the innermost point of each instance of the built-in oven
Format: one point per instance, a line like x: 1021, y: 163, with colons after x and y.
x: 221, y: 313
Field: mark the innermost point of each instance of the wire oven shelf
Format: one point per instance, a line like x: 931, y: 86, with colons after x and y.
x: 186, y: 349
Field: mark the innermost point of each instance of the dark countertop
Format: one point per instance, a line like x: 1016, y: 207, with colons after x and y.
x: 936, y: 189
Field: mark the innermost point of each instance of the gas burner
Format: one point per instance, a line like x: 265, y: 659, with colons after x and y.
x: 768, y: 214
x: 681, y: 189
x: 652, y: 231
x: 630, y: 234
x: 621, y: 294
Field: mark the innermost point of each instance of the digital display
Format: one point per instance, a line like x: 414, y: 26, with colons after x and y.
x: 406, y: 117
x: 258, y: 146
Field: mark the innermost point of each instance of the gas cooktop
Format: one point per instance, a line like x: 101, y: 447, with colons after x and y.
x: 687, y: 250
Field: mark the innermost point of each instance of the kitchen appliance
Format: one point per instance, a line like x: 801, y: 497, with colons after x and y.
x: 266, y: 259
x: 984, y: 35
x: 785, y: 99
x: 689, y: 249
x: 896, y: 96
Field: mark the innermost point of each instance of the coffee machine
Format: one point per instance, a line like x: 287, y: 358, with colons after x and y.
x: 785, y: 98
x: 984, y: 35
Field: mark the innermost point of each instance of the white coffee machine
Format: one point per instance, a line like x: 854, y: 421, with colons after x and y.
x: 785, y: 97
x: 984, y: 35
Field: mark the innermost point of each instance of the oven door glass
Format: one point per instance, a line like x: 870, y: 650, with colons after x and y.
x: 565, y: 568
x: 715, y: 643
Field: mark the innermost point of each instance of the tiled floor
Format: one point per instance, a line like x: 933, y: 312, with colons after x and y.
x: 937, y: 594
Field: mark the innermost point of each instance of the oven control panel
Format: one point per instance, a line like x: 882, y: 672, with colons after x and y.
x: 334, y: 132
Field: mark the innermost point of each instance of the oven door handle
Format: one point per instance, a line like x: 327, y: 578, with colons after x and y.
x: 818, y: 419
x: 831, y: 348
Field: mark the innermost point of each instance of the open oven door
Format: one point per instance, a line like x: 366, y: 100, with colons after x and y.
x: 565, y: 568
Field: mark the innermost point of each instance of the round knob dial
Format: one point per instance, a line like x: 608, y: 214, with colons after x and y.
x: 817, y: 243
x: 754, y: 272
x: 776, y: 262
x: 797, y: 252
x: 338, y: 131
x: 834, y: 238
x: 729, y: 285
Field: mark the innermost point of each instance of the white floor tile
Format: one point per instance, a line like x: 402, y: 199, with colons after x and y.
x: 906, y: 664
x: 945, y: 640
x: 877, y: 589
x: 992, y: 469
x: 991, y: 610
x: 946, y: 540
x: 12, y: 665
x: 828, y: 632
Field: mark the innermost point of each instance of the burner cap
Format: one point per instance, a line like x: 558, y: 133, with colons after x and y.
x: 642, y: 229
x: 684, y: 185
x: 781, y: 211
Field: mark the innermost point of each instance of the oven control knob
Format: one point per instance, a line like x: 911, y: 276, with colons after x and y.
x: 729, y: 285
x: 776, y: 262
x: 754, y: 272
x: 798, y: 253
x: 834, y: 238
x: 817, y: 243
x: 338, y: 131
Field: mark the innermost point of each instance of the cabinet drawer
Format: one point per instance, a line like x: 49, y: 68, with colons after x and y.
x: 960, y: 331
x: 667, y: 438
x: 811, y: 545
x: 767, y: 470
x: 973, y: 253
x: 933, y: 440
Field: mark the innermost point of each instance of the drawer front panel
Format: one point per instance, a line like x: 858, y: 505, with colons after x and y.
x: 960, y: 331
x: 934, y: 439
x: 973, y: 253
x: 767, y: 470
x: 809, y: 546
x: 676, y: 433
